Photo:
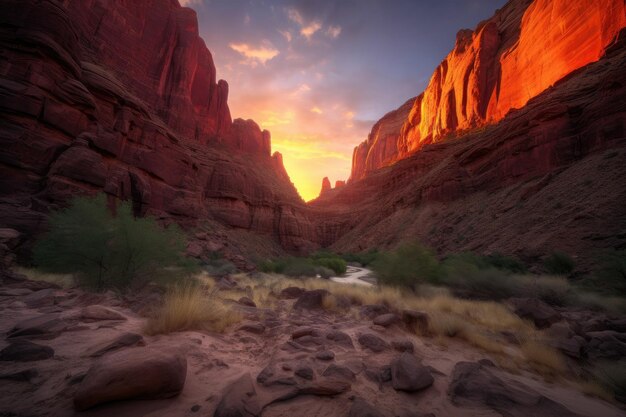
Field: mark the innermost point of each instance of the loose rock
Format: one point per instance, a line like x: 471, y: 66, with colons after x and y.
x: 373, y: 342
x: 25, y: 351
x: 407, y: 374
x: 137, y: 373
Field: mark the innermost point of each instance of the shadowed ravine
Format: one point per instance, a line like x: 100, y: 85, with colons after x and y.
x: 157, y: 260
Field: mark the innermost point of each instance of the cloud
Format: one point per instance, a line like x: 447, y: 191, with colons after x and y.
x: 189, y: 3
x: 286, y: 34
x: 302, y: 88
x: 317, y: 110
x: 333, y: 31
x: 306, y: 29
x: 295, y: 16
x: 255, y: 55
x: 310, y: 29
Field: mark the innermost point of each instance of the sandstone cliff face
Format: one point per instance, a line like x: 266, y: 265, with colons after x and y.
x: 326, y: 187
x: 121, y: 97
x: 508, y: 59
x: 549, y: 176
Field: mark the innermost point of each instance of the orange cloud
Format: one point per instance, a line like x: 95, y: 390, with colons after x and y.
x: 255, y: 55
x: 333, y: 31
x: 306, y: 29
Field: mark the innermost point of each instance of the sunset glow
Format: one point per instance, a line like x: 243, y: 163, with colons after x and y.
x: 318, y: 75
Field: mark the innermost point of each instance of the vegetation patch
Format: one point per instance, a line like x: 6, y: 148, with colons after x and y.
x: 105, y: 251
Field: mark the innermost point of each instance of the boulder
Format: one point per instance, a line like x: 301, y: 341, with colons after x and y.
x: 45, y: 326
x: 562, y: 337
x: 606, y: 344
x: 372, y: 310
x: 415, y: 320
x: 373, y: 342
x: 25, y: 351
x: 535, y: 310
x: 403, y: 345
x: 136, y: 373
x: 304, y: 371
x: 311, y: 300
x: 361, y: 408
x: 339, y: 372
x: 340, y: 338
x: 408, y: 374
x: 386, y: 320
x: 239, y: 399
x: 474, y: 384
x: 256, y: 328
x: 124, y: 340
x: 291, y: 293
x: 245, y: 301
x: 305, y: 331
x: 325, y: 355
x: 41, y: 298
x: 100, y: 313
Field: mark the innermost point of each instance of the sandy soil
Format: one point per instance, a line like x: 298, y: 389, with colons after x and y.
x: 216, y: 360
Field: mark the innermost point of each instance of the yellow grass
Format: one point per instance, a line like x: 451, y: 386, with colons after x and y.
x: 191, y: 307
x: 542, y: 358
x: 595, y: 389
x: 62, y: 280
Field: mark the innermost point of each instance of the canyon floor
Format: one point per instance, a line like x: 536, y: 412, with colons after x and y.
x: 65, y: 349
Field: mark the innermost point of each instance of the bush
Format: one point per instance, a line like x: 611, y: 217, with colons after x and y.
x: 611, y: 275
x: 409, y: 265
x: 106, y: 251
x: 219, y: 267
x: 338, y: 265
x: 559, y: 263
x: 505, y: 262
x: 363, y: 258
x: 325, y: 265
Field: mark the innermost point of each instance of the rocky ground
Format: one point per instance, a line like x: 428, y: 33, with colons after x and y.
x: 67, y: 352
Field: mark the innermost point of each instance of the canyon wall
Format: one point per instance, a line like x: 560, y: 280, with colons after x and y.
x: 122, y: 97
x: 549, y: 176
x: 522, y: 50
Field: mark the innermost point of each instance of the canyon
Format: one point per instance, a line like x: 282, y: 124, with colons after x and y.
x: 516, y: 145
x: 522, y: 50
x: 87, y: 106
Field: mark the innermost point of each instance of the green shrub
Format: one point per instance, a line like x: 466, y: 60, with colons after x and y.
x: 338, y: 265
x: 106, y: 251
x: 559, y: 263
x: 505, y: 262
x: 409, y: 265
x: 363, y: 258
x: 299, y: 267
x: 611, y: 275
x: 470, y: 281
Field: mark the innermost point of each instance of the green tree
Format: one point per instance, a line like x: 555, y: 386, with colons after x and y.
x: 409, y: 265
x: 106, y: 251
x: 559, y: 263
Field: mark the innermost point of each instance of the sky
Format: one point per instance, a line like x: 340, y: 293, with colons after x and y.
x: 319, y: 73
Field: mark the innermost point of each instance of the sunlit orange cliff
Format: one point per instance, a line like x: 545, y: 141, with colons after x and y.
x: 508, y: 59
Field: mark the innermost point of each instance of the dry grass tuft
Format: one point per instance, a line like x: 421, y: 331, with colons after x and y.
x: 595, y: 389
x: 62, y: 280
x: 543, y: 359
x: 191, y: 307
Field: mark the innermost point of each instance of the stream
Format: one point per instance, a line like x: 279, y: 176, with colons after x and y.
x: 355, y: 275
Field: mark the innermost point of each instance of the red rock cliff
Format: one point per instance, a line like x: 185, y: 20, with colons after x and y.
x: 508, y: 59
x: 121, y: 97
